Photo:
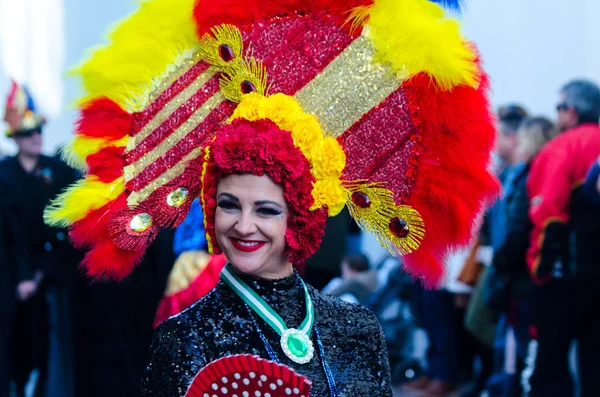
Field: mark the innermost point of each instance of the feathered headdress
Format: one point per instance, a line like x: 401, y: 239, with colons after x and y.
x: 385, y: 100
x: 20, y: 112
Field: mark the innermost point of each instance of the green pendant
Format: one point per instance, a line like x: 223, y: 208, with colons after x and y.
x: 295, y: 343
x: 297, y: 346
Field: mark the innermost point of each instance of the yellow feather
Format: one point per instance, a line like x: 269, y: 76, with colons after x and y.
x: 416, y: 36
x: 140, y: 51
x: 82, y: 146
x: 80, y: 199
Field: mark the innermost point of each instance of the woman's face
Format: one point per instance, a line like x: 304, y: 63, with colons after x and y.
x: 250, y: 224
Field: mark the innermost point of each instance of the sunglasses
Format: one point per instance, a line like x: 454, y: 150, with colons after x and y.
x: 26, y: 133
x: 562, y: 107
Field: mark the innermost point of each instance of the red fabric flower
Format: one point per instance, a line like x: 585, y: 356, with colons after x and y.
x: 260, y: 147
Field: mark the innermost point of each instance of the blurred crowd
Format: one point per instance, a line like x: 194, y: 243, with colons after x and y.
x: 503, y: 324
x: 523, y: 300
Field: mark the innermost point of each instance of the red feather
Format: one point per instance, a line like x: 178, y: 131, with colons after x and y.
x: 106, y: 260
x: 234, y: 375
x: 209, y: 13
x: 453, y: 183
x: 103, y: 118
x: 107, y: 164
x: 94, y: 227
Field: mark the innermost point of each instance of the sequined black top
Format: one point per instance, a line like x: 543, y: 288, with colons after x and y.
x: 220, y: 324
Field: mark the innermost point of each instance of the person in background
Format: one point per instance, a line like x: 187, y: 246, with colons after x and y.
x: 564, y: 250
x: 43, y: 323
x: 358, y: 281
x: 439, y: 310
x: 16, y: 284
x: 514, y: 286
x: 481, y: 320
x: 510, y: 118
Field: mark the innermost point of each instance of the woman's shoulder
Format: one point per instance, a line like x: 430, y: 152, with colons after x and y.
x: 177, y: 353
x: 195, y: 315
x: 179, y: 348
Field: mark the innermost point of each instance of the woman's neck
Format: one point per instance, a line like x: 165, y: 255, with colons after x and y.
x: 283, y: 272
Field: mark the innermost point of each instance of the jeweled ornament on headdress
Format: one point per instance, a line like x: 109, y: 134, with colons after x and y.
x: 384, y: 99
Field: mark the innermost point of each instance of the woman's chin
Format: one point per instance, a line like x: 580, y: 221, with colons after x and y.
x: 246, y: 265
x: 256, y: 267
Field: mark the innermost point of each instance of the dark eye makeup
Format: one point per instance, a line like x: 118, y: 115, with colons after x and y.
x: 229, y: 205
x: 269, y: 211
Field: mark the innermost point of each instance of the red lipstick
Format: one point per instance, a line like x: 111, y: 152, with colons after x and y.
x: 247, y: 245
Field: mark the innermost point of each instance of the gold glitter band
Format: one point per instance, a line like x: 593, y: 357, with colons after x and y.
x: 350, y: 86
x: 137, y: 197
x: 187, y: 60
x: 172, y: 106
x: 180, y: 133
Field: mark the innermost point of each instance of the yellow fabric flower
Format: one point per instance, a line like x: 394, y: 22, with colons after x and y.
x: 307, y: 133
x: 251, y: 108
x: 328, y: 159
x: 329, y: 193
x: 283, y: 110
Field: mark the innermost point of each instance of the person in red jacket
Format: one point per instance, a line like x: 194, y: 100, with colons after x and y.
x: 564, y: 254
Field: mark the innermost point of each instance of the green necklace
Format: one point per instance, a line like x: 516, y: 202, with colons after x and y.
x: 296, y: 343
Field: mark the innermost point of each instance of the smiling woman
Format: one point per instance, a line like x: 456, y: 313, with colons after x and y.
x: 250, y: 223
x: 278, y: 114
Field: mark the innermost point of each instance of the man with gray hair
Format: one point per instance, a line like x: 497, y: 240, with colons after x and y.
x: 580, y: 104
x: 564, y: 253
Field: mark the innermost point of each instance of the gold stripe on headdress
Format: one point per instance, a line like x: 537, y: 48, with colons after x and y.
x: 350, y: 86
x: 177, y: 136
x: 172, y: 106
x: 135, y: 198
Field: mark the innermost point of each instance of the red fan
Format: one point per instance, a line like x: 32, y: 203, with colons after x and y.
x: 245, y: 375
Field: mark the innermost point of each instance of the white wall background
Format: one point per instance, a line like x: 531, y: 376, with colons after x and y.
x: 85, y: 22
x: 529, y: 47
